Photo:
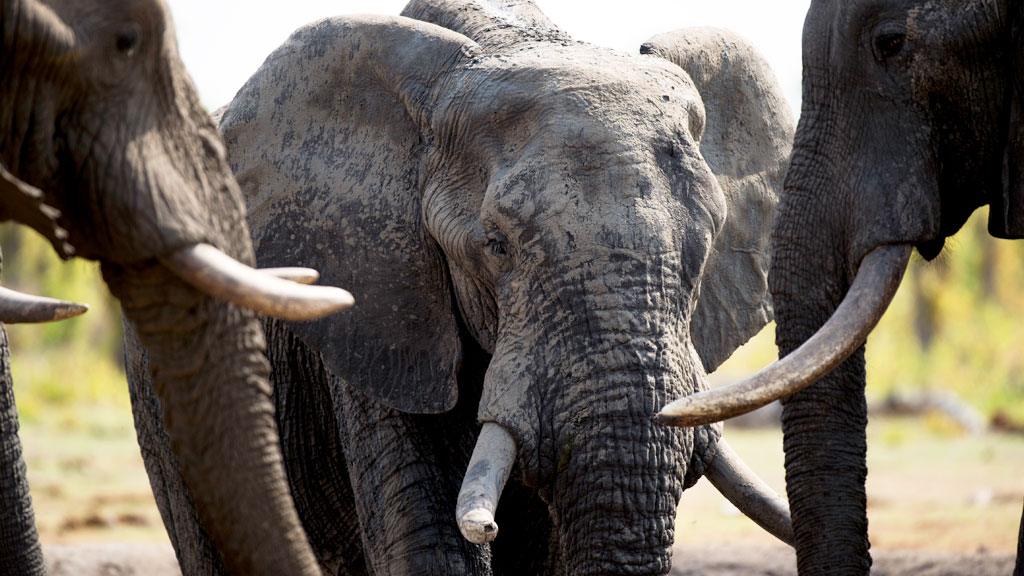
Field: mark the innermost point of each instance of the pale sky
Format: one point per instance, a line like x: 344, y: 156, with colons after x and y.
x: 223, y: 42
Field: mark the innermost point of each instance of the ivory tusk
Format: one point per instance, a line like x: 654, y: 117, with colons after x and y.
x: 486, y: 475
x: 872, y: 291
x: 18, y: 308
x: 299, y: 275
x: 218, y: 275
x: 747, y: 492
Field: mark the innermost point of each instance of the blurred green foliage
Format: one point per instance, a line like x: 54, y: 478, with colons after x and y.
x: 66, y: 374
x: 957, y: 324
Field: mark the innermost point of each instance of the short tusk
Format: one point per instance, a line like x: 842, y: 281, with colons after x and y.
x: 486, y: 475
x: 299, y: 275
x: 220, y: 276
x: 747, y: 492
x: 18, y: 308
x: 872, y: 291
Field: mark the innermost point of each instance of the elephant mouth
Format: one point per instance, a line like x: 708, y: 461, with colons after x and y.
x: 873, y: 289
x: 277, y: 292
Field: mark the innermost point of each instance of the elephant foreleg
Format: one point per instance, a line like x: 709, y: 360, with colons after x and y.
x: 313, y: 456
x: 406, y: 472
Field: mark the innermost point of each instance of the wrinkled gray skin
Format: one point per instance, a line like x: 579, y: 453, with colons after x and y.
x: 540, y: 233
x: 911, y: 120
x: 97, y: 111
x: 20, y: 552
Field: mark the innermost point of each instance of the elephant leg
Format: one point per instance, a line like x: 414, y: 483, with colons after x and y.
x: 313, y: 455
x: 196, y: 553
x: 20, y: 552
x: 406, y: 471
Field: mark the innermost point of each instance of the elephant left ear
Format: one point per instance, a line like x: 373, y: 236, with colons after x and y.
x: 24, y: 204
x: 747, y: 141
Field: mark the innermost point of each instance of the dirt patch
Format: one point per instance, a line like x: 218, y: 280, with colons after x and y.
x: 780, y: 561
x: 111, y: 560
x: 153, y: 560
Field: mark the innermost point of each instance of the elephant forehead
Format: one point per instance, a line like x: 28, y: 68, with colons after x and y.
x: 575, y: 90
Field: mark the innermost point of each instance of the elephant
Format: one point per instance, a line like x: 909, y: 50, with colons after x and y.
x: 911, y: 121
x: 548, y: 240
x: 106, y: 152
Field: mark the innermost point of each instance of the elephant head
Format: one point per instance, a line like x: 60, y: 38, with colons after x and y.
x: 584, y: 217
x: 911, y: 120
x: 106, y: 151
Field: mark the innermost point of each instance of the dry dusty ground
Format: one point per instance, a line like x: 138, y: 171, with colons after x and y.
x: 940, y: 503
x: 158, y: 560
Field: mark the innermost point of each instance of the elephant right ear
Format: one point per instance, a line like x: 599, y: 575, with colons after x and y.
x: 747, y: 141
x: 327, y: 141
x: 1006, y: 215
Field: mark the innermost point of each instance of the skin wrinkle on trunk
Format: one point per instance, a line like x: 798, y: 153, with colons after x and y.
x: 20, y: 551
x: 184, y: 332
x: 619, y: 475
x: 825, y: 424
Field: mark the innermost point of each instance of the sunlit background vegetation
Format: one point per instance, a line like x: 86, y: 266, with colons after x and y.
x: 955, y: 326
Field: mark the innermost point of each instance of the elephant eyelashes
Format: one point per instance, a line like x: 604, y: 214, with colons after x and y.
x: 888, y: 44
x: 127, y: 41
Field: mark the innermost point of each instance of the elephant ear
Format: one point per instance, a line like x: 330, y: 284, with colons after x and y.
x: 1006, y: 215
x: 747, y: 141
x: 327, y: 141
x: 24, y: 204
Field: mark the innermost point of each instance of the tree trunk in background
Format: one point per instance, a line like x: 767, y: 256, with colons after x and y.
x: 20, y: 552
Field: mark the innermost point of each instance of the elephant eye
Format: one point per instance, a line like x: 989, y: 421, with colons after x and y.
x: 889, y: 44
x: 127, y: 41
x: 497, y: 245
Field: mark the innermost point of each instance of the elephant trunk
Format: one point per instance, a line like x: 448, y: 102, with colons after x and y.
x: 618, y: 486
x: 20, y: 552
x: 212, y: 379
x: 824, y: 424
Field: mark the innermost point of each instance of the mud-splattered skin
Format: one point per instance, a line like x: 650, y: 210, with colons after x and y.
x: 99, y: 119
x: 911, y: 120
x: 526, y: 223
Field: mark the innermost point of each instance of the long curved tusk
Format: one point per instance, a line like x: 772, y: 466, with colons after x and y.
x: 299, y: 275
x: 486, y: 475
x: 18, y: 308
x: 747, y: 492
x: 220, y: 276
x: 872, y: 291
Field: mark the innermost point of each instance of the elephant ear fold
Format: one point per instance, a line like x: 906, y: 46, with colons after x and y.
x: 328, y: 141
x: 1006, y: 215
x: 24, y: 204
x: 747, y: 141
